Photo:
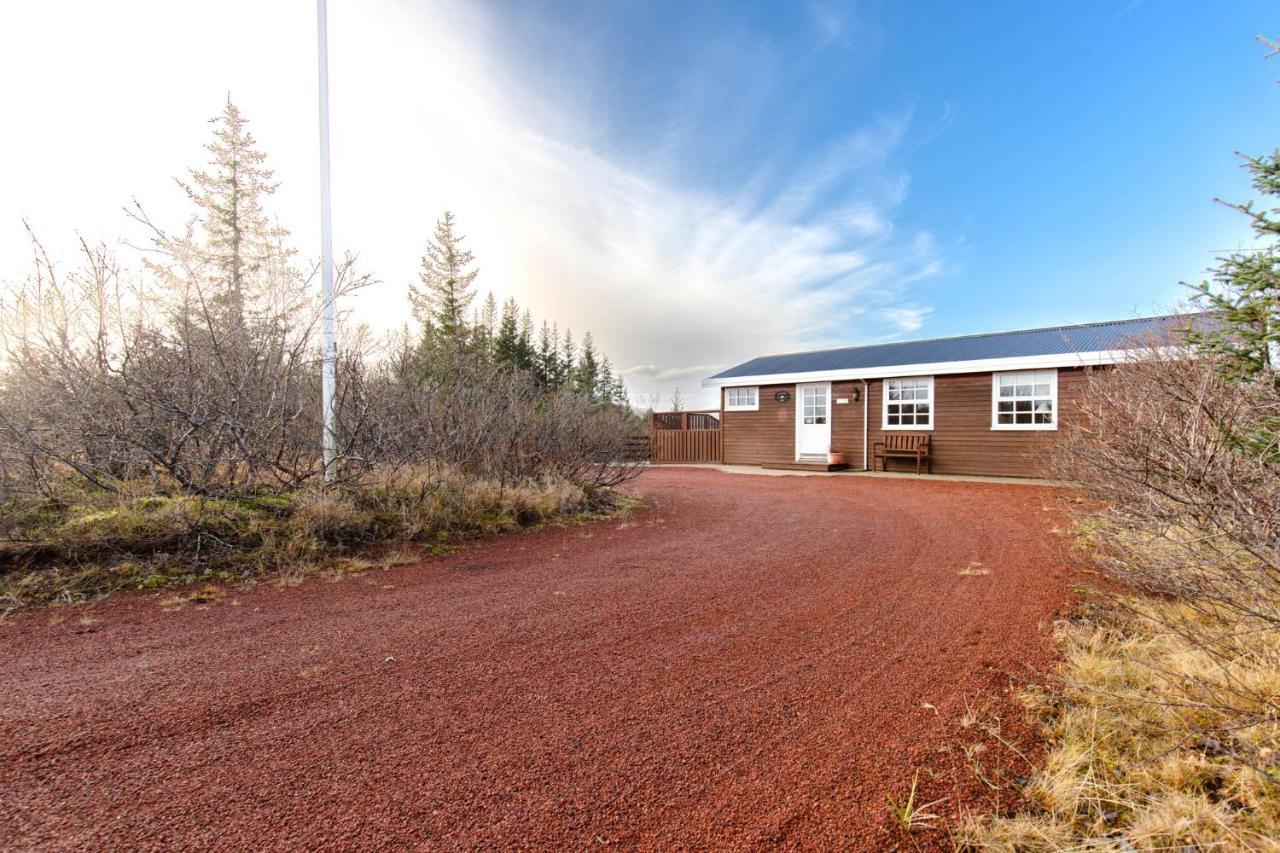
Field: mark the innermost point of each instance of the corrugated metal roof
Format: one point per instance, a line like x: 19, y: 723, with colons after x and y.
x: 1054, y: 340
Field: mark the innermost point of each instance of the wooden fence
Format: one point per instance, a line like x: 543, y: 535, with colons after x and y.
x: 686, y: 420
x: 686, y: 445
x: 685, y: 437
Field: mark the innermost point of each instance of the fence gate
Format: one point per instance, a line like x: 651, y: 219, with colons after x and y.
x: 685, y: 436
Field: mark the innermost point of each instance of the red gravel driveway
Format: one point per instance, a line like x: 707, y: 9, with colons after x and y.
x: 751, y: 662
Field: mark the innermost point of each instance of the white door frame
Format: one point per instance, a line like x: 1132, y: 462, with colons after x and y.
x: 799, y: 398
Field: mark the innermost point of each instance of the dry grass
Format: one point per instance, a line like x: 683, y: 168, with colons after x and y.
x: 91, y: 543
x: 1151, y: 744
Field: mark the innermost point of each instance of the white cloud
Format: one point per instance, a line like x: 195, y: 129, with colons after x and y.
x: 675, y: 281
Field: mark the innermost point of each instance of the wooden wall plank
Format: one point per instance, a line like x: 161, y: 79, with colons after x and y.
x: 962, y: 441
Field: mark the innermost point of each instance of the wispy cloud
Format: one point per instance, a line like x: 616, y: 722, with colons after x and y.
x: 675, y: 279
x: 675, y: 274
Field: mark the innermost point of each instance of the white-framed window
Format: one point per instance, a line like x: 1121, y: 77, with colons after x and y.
x: 813, y: 404
x: 1027, y: 399
x: 741, y: 399
x: 908, y: 403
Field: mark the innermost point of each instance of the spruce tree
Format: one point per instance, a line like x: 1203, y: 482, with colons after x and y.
x: 547, y: 362
x: 487, y: 324
x: 238, y: 247
x: 586, y: 372
x: 568, y: 361
x: 506, y: 344
x: 444, y: 291
x: 1244, y: 291
x: 604, y: 382
x: 620, y: 397
x: 525, y: 351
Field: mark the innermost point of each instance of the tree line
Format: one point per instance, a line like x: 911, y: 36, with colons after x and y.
x: 200, y: 370
x: 442, y: 302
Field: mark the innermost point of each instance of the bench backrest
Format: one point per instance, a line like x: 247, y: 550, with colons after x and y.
x: 905, y: 442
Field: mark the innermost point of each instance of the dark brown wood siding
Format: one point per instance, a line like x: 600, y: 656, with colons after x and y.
x: 766, y: 435
x: 962, y: 439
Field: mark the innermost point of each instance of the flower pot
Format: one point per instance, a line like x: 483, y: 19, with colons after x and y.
x: 834, y: 458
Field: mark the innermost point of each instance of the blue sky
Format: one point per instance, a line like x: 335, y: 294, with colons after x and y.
x: 697, y: 183
x: 1063, y: 157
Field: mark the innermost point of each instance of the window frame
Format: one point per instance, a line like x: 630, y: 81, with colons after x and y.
x: 741, y: 407
x: 1015, y: 427
x: 884, y: 405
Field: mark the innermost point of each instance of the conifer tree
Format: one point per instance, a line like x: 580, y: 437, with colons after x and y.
x: 443, y: 292
x: 677, y: 402
x: 568, y: 361
x: 487, y: 324
x: 547, y: 362
x: 239, y: 247
x: 619, y: 395
x: 506, y: 344
x: 525, y: 351
x: 609, y: 387
x: 586, y: 373
x: 1244, y: 292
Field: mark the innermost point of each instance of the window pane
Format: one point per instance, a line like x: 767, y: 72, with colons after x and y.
x: 820, y: 420
x: 1042, y: 389
x: 1044, y: 406
x: 1005, y: 419
x: 1023, y: 406
x: 1006, y: 405
x: 893, y: 420
x: 1044, y: 418
x: 922, y: 408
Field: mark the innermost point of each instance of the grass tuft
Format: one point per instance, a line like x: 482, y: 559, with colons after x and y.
x: 1153, y: 744
x: 90, y: 543
x: 909, y: 815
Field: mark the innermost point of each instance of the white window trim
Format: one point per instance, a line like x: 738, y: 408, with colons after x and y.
x: 884, y: 407
x: 741, y: 408
x: 995, y: 401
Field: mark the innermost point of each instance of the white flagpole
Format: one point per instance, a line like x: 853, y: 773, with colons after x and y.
x: 330, y: 356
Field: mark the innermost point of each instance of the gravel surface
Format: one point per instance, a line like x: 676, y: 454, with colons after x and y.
x: 750, y: 662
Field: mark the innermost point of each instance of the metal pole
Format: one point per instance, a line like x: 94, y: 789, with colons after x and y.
x: 330, y: 355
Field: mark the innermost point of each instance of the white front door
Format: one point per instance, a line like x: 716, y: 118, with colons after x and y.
x: 813, y: 419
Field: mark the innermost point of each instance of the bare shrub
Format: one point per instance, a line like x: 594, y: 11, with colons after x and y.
x: 1163, y: 728
x: 1184, y: 465
x: 200, y: 372
x: 158, y: 411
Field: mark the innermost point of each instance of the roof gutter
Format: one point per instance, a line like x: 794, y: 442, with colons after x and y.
x: 980, y: 365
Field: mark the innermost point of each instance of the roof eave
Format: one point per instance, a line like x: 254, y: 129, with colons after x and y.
x: 981, y: 365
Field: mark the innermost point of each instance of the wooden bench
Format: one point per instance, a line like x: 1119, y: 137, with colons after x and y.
x: 904, y: 446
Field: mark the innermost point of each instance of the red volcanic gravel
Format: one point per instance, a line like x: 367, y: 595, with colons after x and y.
x: 750, y: 662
